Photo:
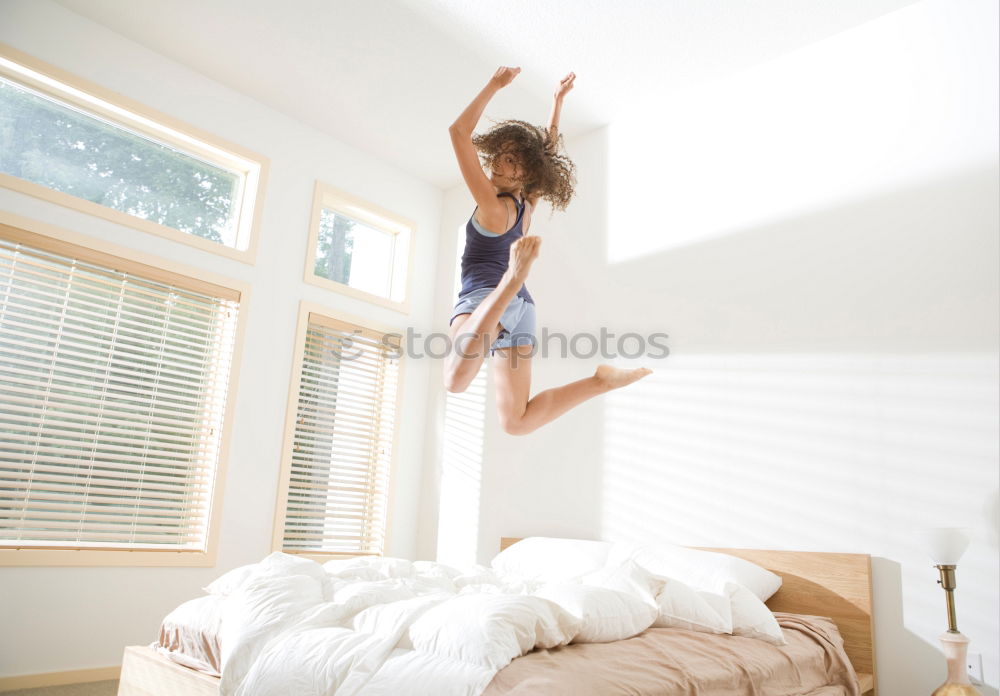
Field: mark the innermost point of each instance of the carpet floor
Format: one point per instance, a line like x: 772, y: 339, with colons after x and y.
x: 101, y: 688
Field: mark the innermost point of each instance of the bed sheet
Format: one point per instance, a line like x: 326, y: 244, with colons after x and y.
x: 663, y: 661
x: 189, y: 635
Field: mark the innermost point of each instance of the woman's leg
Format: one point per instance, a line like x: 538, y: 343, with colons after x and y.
x: 460, y: 371
x: 520, y: 415
x: 473, y: 334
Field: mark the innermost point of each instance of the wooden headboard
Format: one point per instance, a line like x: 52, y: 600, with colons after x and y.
x: 837, y: 585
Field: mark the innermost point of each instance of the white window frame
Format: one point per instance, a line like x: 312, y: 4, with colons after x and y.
x: 111, y: 106
x: 326, y: 196
x: 154, y: 267
x: 305, y: 310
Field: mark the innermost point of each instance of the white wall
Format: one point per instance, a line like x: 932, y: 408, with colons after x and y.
x: 56, y: 619
x: 819, y: 237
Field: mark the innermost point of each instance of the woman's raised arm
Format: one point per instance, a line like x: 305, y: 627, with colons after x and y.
x: 493, y: 212
x: 564, y: 86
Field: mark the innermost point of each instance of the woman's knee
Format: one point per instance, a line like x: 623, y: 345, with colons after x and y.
x: 458, y: 375
x: 514, y: 424
x: 454, y: 383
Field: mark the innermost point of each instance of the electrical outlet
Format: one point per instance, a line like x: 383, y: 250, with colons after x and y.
x: 974, y: 666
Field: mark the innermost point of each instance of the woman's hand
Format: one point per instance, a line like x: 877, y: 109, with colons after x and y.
x: 564, y: 86
x: 562, y: 89
x: 504, y: 76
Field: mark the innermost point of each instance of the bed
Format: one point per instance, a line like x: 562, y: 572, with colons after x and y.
x: 823, y: 598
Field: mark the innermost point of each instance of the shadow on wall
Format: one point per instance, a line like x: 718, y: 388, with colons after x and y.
x: 915, y: 271
x: 850, y: 445
x: 836, y: 453
x: 823, y: 370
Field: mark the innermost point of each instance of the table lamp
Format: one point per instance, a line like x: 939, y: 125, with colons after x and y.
x: 945, y: 546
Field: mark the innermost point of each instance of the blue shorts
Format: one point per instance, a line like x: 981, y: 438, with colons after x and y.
x: 517, y: 320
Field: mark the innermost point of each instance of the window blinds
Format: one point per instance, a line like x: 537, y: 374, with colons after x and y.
x: 112, y: 390
x: 342, y: 443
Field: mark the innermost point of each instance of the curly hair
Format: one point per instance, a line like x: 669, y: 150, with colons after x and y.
x: 548, y: 173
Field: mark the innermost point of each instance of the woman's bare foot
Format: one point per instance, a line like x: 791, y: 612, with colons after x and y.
x: 615, y: 377
x: 523, y: 253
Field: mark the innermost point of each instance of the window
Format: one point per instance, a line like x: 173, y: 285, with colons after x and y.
x: 359, y: 249
x: 461, y: 473
x: 339, y: 439
x: 113, y: 387
x: 104, y: 157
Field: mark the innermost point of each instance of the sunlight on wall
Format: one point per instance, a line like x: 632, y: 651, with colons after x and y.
x: 462, y: 473
x: 817, y: 452
x: 833, y: 122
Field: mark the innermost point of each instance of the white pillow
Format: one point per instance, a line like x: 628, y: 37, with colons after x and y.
x: 266, y: 605
x: 370, y: 567
x: 552, y: 559
x: 279, y: 564
x: 393, y: 567
x: 435, y: 569
x: 703, y: 570
x: 630, y: 578
x: 366, y: 593
x: 336, y: 565
x: 476, y: 575
x: 229, y: 582
x: 276, y: 564
x: 751, y: 618
x: 683, y: 607
x: 432, y: 574
x: 491, y: 629
x: 605, y: 615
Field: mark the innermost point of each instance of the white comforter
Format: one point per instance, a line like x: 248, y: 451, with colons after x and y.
x: 380, y: 626
x: 386, y: 626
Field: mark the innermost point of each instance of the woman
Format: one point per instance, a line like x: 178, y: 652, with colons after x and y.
x: 494, y: 309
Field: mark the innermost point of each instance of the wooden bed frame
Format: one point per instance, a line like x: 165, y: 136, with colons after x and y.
x: 837, y: 585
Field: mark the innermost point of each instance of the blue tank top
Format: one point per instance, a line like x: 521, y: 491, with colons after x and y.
x: 485, y: 258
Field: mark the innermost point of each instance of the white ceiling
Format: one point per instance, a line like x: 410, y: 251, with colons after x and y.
x: 389, y: 76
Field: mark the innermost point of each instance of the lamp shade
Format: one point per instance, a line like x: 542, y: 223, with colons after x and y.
x: 945, y: 545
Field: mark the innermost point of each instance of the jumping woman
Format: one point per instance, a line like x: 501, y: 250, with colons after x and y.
x: 495, y: 312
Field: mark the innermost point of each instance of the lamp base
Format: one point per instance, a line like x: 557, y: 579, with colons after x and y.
x: 955, y: 646
x: 956, y: 690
